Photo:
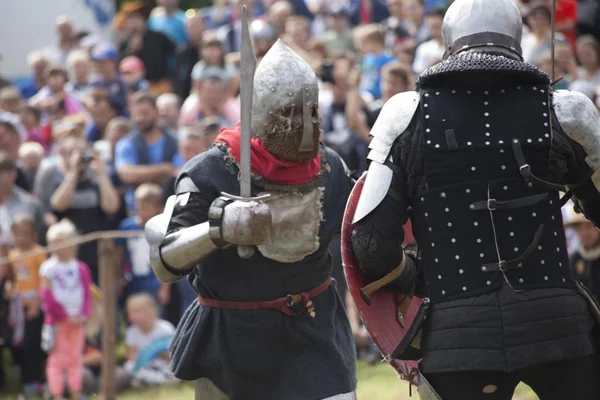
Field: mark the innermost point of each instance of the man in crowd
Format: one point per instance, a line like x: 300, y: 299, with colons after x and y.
x: 147, y: 153
x: 14, y: 200
x: 102, y: 107
x: 106, y: 61
x: 38, y: 62
x: 10, y: 143
x: 430, y: 52
x: 538, y: 40
x: 169, y: 20
x: 188, y: 55
x: 155, y: 49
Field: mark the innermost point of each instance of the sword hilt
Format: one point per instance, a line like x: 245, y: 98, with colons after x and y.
x: 246, y: 251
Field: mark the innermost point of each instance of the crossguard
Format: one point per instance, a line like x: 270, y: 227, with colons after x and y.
x: 245, y: 251
x: 239, y: 198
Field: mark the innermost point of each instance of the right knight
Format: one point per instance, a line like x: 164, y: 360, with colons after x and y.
x: 477, y: 158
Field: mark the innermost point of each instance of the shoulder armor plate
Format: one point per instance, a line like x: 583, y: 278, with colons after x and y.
x: 185, y: 185
x: 579, y: 119
x: 392, y: 122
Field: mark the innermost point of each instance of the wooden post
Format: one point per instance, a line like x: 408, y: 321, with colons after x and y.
x: 109, y: 334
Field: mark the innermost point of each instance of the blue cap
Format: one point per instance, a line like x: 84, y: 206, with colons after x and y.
x: 105, y: 51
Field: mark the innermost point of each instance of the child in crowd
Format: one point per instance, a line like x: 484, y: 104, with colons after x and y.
x: 66, y: 296
x: 31, y: 118
x: 26, y: 291
x: 31, y: 155
x: 375, y: 57
x: 133, y: 72
x: 5, y: 330
x: 135, y: 253
x: 147, y: 341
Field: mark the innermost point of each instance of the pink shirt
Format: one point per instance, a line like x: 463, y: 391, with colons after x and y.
x: 70, y: 291
x: 191, y: 109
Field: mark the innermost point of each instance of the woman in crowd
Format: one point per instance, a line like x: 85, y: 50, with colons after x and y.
x: 588, y: 53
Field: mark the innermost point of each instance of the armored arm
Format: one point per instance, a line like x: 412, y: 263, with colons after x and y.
x: 579, y: 119
x: 191, y: 228
x: 383, y: 206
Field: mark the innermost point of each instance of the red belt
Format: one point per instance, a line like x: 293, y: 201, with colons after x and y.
x: 283, y: 304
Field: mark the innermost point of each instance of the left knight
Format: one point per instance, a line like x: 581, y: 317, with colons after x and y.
x: 270, y: 326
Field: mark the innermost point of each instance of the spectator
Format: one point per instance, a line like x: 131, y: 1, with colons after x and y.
x: 339, y: 37
x: 279, y: 13
x: 588, y: 18
x: 414, y: 21
x: 66, y: 295
x: 375, y: 57
x: 66, y: 41
x: 56, y: 80
x: 55, y: 112
x: 361, y: 117
x: 566, y: 19
x: 213, y: 54
x: 230, y: 35
x: 169, y: 106
x: 31, y: 118
x: 147, y: 341
x: 77, y: 187
x: 38, y: 62
x: 92, y: 368
x: 10, y: 143
x: 209, y: 98
x: 393, y: 26
x: 31, y: 155
x: 133, y: 254
x: 191, y: 143
x: 368, y: 11
x: 116, y: 129
x: 10, y: 106
x: 585, y: 261
x: 432, y: 51
x: 79, y: 66
x: 147, y: 153
x: 102, y: 108
x: 169, y: 20
x: 216, y: 15
x: 153, y: 48
x: 133, y: 72
x: 297, y: 35
x: 106, y: 58
x: 588, y: 53
x: 538, y: 40
x: 188, y: 55
x: 27, y: 291
x: 336, y: 132
x: 263, y: 37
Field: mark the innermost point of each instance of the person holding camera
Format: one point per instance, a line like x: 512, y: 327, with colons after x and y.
x: 77, y: 187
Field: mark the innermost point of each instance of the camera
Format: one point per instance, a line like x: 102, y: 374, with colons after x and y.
x: 87, y: 157
x: 327, y: 72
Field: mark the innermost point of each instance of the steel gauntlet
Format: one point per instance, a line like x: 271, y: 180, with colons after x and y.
x: 231, y: 222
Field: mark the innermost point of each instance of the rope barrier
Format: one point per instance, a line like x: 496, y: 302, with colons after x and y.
x: 90, y: 237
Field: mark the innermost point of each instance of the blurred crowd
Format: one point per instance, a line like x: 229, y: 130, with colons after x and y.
x: 94, y: 141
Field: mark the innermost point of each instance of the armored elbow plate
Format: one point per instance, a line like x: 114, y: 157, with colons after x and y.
x: 579, y: 119
x: 392, y: 122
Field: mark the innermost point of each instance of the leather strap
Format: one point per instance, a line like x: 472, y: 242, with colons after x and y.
x: 493, y: 204
x: 525, y: 170
x: 283, y: 304
x: 517, y: 262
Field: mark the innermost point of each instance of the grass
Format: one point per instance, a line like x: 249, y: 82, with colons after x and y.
x: 377, y: 382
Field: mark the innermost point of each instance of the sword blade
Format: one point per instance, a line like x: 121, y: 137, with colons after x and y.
x: 248, y: 67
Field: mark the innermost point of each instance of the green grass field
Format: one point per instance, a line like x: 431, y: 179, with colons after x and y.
x: 377, y: 382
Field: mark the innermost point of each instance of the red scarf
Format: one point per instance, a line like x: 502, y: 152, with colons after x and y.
x: 266, y: 165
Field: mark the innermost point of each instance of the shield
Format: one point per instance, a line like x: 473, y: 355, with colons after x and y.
x: 387, y: 316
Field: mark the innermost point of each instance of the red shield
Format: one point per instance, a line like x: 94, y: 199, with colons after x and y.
x: 389, y: 315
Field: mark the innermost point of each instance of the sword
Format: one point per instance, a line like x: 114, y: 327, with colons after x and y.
x: 553, y: 37
x: 247, y: 69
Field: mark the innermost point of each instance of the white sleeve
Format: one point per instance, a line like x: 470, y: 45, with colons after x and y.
x: 46, y: 268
